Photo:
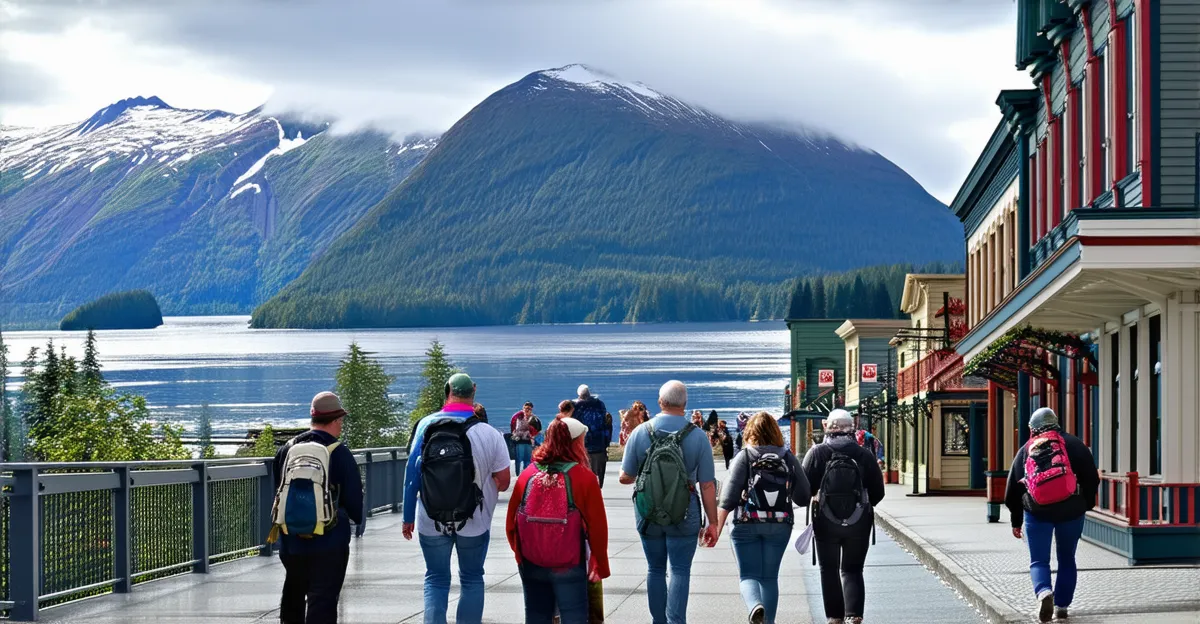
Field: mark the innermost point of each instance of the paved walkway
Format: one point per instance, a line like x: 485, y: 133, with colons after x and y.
x: 987, y: 565
x: 384, y: 584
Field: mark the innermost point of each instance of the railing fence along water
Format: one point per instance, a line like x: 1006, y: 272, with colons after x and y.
x: 74, y: 530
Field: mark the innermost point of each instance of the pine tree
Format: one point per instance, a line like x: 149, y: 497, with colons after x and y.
x: 204, y: 433
x: 264, y: 446
x: 882, y: 306
x: 861, y: 298
x: 90, y: 366
x: 373, y: 417
x: 801, y: 306
x: 436, y: 372
x: 820, y: 306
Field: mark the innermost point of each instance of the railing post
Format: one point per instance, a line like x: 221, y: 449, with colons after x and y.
x: 200, y: 519
x: 24, y: 546
x: 397, y: 489
x: 1132, y: 499
x: 266, y: 505
x: 122, y: 546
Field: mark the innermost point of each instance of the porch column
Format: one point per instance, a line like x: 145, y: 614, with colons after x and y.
x: 1124, y: 416
x: 996, y: 475
x: 1181, y: 393
x: 1104, y: 433
x: 1145, y: 377
x: 1023, y: 411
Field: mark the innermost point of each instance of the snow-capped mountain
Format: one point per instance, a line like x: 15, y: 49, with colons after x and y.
x: 212, y: 211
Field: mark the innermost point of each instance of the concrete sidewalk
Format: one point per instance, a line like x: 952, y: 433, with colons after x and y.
x: 990, y: 568
x: 385, y: 579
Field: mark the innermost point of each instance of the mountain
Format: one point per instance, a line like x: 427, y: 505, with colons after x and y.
x: 572, y: 195
x: 211, y: 211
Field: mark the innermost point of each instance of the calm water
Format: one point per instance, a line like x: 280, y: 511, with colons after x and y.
x: 249, y: 377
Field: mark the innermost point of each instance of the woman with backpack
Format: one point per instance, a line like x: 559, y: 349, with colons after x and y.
x: 557, y: 527
x: 849, y: 484
x: 1051, y: 486
x: 764, y: 481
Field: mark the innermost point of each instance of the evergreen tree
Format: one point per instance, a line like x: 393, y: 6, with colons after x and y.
x: 802, y: 301
x: 204, y: 433
x: 882, y: 302
x: 861, y: 297
x: 373, y: 417
x: 92, y: 378
x: 820, y: 306
x: 437, y: 370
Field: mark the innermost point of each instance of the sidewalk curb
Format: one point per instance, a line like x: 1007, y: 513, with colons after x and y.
x: 993, y: 608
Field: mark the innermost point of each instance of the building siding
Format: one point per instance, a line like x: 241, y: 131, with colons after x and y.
x: 816, y: 345
x: 1179, y: 97
x: 1058, y: 89
x: 1079, y: 55
x: 1099, y: 15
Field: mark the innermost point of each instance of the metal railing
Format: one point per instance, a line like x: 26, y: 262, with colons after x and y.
x: 74, y: 530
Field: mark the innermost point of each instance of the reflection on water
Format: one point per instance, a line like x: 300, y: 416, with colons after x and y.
x: 253, y: 376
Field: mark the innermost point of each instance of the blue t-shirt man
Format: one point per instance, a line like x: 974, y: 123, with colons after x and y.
x: 697, y: 458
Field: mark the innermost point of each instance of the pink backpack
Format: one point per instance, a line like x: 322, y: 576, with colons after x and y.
x: 549, y: 527
x: 1048, y: 475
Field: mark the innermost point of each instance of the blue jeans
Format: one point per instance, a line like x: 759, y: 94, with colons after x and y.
x: 759, y: 549
x: 471, y: 553
x: 524, y: 452
x: 677, y: 545
x: 1066, y: 537
x: 546, y: 589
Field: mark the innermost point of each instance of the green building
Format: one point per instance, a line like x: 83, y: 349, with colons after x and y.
x: 818, y: 375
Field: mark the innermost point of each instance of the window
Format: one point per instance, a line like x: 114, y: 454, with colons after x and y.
x: 1114, y: 442
x: 1081, y: 198
x: 955, y: 432
x: 1130, y: 95
x: 1155, y: 414
x: 1133, y: 396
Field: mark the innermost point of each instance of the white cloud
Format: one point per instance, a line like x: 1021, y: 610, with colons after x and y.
x: 916, y: 85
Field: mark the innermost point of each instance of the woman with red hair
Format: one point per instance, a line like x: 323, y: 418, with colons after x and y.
x: 557, y: 527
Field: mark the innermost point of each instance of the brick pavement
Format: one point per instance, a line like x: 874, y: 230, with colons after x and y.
x: 991, y: 568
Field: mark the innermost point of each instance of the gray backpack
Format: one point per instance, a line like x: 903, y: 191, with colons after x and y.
x: 663, y: 490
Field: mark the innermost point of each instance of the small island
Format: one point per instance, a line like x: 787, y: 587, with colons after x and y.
x: 131, y: 309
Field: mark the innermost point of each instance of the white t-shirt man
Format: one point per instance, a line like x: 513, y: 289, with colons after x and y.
x: 489, y: 453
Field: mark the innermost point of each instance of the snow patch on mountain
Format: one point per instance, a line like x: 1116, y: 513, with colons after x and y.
x: 600, y: 81
x: 285, y: 145
x: 257, y: 190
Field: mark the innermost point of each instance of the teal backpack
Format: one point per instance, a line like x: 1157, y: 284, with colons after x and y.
x: 663, y: 489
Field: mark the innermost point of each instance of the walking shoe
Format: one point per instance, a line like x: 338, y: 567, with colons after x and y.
x: 854, y: 620
x: 835, y: 621
x: 1047, y: 605
x: 1060, y: 613
x: 758, y: 614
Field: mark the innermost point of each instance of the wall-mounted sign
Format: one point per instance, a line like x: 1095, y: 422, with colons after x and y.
x: 825, y: 378
x: 870, y: 373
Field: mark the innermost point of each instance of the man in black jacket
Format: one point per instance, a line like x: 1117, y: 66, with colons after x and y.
x: 842, y: 587
x: 1062, y: 520
x: 316, y: 566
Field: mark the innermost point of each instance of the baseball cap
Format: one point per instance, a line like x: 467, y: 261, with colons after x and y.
x: 460, y: 384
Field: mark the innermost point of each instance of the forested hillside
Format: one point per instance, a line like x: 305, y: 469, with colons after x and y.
x: 570, y: 196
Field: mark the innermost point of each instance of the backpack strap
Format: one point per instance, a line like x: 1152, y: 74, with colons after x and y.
x: 682, y: 433
x: 560, y: 468
x: 333, y: 446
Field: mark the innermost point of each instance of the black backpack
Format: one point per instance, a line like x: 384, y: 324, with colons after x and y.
x: 768, y: 493
x: 842, y: 498
x: 448, y: 489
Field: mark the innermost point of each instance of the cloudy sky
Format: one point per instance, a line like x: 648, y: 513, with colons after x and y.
x: 916, y: 80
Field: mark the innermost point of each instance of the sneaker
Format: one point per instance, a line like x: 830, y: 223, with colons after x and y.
x: 1060, y: 613
x: 854, y: 620
x: 1047, y: 605
x: 835, y: 621
x: 758, y: 614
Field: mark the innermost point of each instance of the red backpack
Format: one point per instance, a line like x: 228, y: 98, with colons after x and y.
x: 1048, y: 474
x: 549, y: 527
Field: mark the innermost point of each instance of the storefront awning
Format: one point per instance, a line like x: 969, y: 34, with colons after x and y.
x: 1025, y: 350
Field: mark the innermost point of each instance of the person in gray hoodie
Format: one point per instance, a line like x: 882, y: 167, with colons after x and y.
x: 764, y: 481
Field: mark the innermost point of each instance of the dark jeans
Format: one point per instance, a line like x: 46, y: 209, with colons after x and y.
x: 1038, y: 534
x: 317, y: 577
x: 599, y: 464
x: 842, y: 560
x: 546, y: 589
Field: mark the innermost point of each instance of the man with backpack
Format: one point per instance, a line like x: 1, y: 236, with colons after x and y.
x: 665, y: 459
x: 1051, y: 486
x: 318, y: 493
x: 590, y: 411
x: 849, y: 484
x: 456, y: 470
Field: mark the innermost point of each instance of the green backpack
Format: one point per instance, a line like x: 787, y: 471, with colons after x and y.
x: 663, y: 489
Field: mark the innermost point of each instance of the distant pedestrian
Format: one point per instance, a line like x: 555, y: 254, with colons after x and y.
x: 566, y: 409
x: 590, y: 411
x: 721, y: 439
x: 557, y: 527
x: 1051, y: 486
x: 522, y: 431
x: 849, y: 484
x: 630, y: 420
x: 480, y: 413
x: 698, y: 419
x: 867, y: 440
x: 456, y: 471
x: 315, y: 556
x: 763, y: 483
x: 667, y: 506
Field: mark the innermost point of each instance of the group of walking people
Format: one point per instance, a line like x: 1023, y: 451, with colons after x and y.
x: 557, y: 525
